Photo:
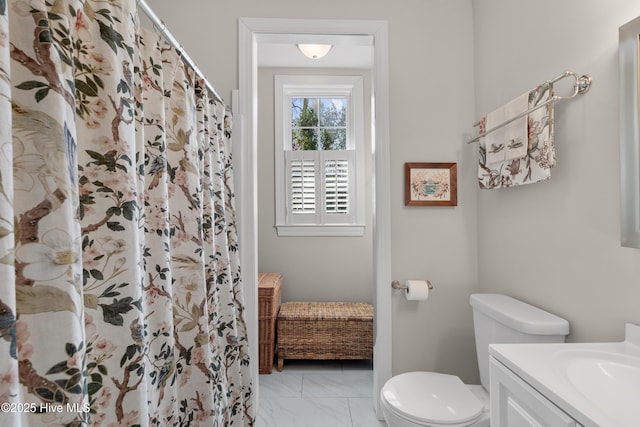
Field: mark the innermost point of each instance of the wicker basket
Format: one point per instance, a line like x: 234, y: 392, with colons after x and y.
x: 325, y: 330
x: 269, y: 295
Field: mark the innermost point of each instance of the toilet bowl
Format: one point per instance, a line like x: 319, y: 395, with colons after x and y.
x: 431, y: 399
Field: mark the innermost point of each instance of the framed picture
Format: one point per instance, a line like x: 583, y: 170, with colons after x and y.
x: 430, y: 184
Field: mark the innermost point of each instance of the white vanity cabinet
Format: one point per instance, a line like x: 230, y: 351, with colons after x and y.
x: 514, y: 403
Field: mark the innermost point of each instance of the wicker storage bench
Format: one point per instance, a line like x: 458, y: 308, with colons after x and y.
x: 269, y: 292
x: 324, y: 330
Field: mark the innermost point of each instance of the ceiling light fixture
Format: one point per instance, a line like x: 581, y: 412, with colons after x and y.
x: 314, y: 51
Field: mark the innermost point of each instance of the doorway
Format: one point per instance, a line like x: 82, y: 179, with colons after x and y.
x: 245, y: 162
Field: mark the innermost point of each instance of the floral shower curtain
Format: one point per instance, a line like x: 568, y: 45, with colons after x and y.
x: 120, y: 300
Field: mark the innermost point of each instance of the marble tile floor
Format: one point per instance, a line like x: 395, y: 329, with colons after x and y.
x: 318, y: 394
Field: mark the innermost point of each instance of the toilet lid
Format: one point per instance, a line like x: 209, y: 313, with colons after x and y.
x: 430, y: 397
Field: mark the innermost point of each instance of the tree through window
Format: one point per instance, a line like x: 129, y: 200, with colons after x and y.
x: 319, y: 123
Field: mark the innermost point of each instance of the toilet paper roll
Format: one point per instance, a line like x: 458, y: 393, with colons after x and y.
x: 417, y: 290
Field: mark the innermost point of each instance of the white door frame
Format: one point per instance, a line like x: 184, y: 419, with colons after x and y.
x: 245, y: 158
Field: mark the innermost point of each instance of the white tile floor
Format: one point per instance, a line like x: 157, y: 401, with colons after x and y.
x: 318, y: 394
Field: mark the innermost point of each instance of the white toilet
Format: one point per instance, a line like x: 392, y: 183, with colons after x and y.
x: 438, y: 400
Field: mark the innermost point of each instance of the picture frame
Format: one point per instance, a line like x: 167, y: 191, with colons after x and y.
x: 431, y: 184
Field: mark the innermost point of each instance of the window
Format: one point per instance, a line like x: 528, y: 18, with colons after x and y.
x: 319, y: 155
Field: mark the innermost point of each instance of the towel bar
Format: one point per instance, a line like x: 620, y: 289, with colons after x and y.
x: 581, y: 86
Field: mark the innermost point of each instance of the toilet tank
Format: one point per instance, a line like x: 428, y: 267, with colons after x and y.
x: 499, y: 319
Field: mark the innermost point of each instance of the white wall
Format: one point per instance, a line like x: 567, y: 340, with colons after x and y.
x: 431, y: 106
x: 308, y: 264
x: 556, y: 244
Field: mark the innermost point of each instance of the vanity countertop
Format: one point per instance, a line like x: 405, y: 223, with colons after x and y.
x: 598, y: 384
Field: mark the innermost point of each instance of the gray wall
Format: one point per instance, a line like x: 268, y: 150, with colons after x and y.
x: 313, y: 268
x: 556, y: 244
x: 431, y: 59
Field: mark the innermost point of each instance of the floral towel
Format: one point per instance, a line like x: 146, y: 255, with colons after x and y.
x: 536, y: 164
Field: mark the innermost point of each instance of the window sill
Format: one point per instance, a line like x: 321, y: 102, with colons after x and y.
x: 334, y: 230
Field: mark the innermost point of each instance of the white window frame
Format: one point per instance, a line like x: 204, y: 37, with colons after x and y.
x: 320, y: 223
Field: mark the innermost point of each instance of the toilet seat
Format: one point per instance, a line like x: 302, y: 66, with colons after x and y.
x: 431, y: 398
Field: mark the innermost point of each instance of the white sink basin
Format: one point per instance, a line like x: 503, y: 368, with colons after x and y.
x: 597, y: 384
x: 610, y: 381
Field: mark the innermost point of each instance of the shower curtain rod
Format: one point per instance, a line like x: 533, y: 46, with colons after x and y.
x: 157, y: 22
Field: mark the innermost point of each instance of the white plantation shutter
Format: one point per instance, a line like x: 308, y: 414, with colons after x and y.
x: 301, y: 171
x: 320, y: 195
x: 339, y: 189
x: 336, y: 186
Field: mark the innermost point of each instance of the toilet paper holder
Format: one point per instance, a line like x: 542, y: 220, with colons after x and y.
x: 397, y: 285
